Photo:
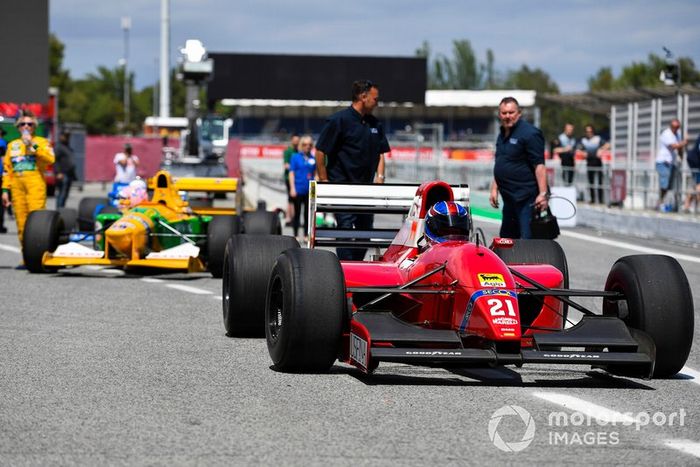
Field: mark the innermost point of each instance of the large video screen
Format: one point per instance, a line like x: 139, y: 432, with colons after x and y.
x: 314, y: 77
x: 24, y: 51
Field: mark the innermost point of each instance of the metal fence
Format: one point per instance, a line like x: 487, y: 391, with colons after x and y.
x: 641, y: 184
x: 634, y: 138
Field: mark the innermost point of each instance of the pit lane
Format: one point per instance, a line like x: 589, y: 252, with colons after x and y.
x: 105, y: 367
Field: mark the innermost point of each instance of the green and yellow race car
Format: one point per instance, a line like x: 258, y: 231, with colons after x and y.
x: 158, y: 231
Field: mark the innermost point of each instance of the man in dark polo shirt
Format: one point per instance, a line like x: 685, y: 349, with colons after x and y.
x: 519, y: 173
x: 350, y: 149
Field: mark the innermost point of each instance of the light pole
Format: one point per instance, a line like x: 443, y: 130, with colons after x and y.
x: 126, y: 25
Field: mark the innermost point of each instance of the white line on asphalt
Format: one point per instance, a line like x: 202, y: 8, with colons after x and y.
x: 683, y: 445
x: 187, y: 288
x: 10, y: 248
x: 587, y: 408
x: 615, y: 243
x: 695, y: 374
x: 105, y: 269
x: 152, y: 280
x: 217, y: 297
x: 629, y: 246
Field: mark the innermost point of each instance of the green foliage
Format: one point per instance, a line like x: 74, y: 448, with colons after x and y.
x: 641, y: 74
x: 461, y: 71
x: 97, y: 101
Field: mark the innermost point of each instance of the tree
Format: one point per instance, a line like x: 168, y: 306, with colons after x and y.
x: 603, y: 80
x: 461, y: 71
x: 538, y: 80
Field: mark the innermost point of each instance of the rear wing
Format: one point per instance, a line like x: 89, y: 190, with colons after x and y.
x: 387, y: 198
x: 204, y: 184
x: 167, y: 189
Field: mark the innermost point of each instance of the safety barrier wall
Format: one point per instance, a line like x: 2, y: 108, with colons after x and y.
x: 100, y: 151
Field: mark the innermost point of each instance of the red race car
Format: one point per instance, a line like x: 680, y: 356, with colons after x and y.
x: 436, y: 294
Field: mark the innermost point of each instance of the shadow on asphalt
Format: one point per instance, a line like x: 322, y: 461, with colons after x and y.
x: 487, y: 377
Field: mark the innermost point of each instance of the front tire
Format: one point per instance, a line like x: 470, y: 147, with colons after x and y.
x: 658, y: 302
x: 304, y: 311
x: 41, y: 234
x: 247, y: 265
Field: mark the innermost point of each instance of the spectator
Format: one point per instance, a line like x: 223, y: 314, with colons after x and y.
x: 302, y: 167
x: 519, y: 172
x: 126, y: 165
x: 3, y: 150
x: 352, y: 144
x: 670, y: 141
x: 566, y: 150
x: 24, y: 164
x: 292, y: 149
x: 592, y: 144
x: 693, y: 160
x: 64, y: 169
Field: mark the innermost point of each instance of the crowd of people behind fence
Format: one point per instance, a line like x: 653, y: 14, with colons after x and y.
x: 672, y: 150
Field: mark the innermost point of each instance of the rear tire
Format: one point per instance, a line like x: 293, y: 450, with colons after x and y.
x: 41, y: 233
x: 246, y: 272
x: 304, y: 311
x: 69, y: 216
x: 220, y: 229
x: 659, y: 302
x: 87, y: 212
x: 262, y: 222
x: 537, y: 251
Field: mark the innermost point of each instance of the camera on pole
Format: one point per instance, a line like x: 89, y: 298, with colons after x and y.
x: 671, y: 74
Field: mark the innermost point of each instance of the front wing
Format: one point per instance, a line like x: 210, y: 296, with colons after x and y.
x: 604, y: 342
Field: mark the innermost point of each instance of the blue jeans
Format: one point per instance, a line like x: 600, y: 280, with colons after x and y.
x: 346, y: 220
x: 516, y: 218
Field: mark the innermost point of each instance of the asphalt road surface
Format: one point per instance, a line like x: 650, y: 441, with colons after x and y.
x: 102, y: 367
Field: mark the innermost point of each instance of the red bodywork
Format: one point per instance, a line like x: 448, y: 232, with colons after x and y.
x: 478, y: 297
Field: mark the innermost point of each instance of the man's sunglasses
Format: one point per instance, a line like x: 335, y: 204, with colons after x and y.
x: 26, y: 123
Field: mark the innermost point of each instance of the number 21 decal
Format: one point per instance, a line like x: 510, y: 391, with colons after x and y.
x: 496, y: 306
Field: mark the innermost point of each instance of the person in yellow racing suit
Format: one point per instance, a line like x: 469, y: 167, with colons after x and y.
x: 24, y: 164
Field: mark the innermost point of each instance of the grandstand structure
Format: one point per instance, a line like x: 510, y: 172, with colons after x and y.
x: 272, y: 96
x: 466, y: 116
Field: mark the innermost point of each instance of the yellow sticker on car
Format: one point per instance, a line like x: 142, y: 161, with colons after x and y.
x: 491, y: 279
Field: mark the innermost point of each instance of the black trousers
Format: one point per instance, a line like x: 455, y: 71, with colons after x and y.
x: 347, y: 220
x: 595, y: 179
x: 299, y: 201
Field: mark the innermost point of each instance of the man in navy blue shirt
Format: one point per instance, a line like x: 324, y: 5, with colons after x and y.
x: 519, y: 173
x: 350, y: 149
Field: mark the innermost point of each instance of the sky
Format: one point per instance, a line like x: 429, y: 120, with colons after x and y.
x: 569, y: 39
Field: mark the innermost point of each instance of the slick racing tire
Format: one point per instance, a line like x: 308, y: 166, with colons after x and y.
x: 304, y: 311
x: 87, y: 212
x: 537, y: 251
x: 247, y: 265
x: 262, y: 222
x: 658, y: 302
x: 69, y: 216
x: 220, y: 229
x: 41, y: 234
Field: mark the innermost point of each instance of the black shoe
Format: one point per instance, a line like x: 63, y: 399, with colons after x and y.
x: 3, y: 230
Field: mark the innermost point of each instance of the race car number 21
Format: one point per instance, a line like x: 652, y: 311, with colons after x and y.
x: 497, y: 308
